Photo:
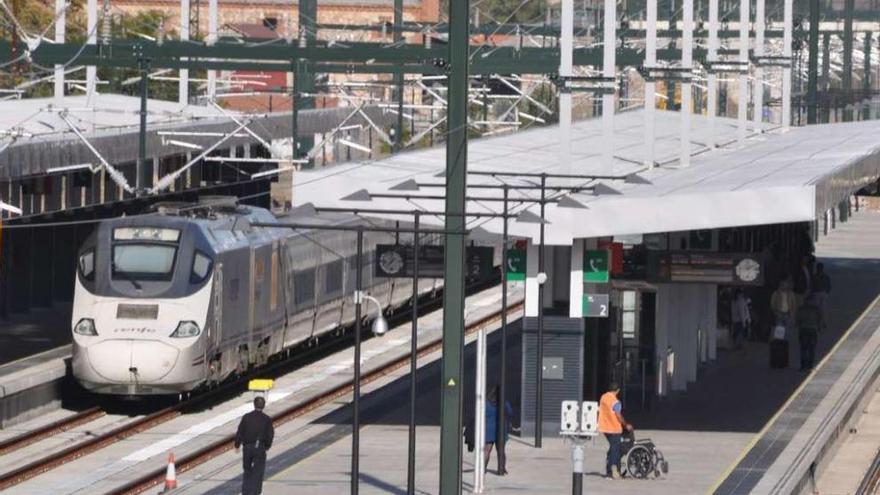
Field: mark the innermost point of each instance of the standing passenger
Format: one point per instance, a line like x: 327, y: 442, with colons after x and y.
x: 740, y: 317
x: 492, y: 437
x: 255, y: 432
x: 803, y: 282
x: 612, y: 424
x: 783, y: 304
x: 821, y: 289
x: 808, y: 321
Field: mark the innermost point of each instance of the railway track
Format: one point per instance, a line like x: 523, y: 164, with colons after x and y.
x: 220, y: 446
x: 306, y: 356
x: 86, y: 447
x: 871, y: 481
x: 47, y: 463
x: 31, y: 437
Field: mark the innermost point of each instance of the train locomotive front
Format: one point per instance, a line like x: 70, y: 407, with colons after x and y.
x: 141, y: 305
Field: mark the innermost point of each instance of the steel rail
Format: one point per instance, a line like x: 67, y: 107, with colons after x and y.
x: 94, y: 444
x: 871, y: 481
x: 64, y: 424
x: 225, y: 444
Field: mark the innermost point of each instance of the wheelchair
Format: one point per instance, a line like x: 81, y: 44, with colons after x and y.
x: 641, y: 458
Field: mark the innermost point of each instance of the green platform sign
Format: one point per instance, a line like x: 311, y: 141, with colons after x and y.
x: 516, y: 265
x: 596, y: 266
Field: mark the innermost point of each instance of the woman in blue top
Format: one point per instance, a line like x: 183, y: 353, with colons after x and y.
x: 491, y: 430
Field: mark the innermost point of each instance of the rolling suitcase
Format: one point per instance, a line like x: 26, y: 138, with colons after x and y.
x: 779, y: 353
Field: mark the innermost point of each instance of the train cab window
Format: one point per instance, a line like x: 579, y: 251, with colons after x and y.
x: 143, y: 261
x: 87, y: 265
x: 201, y: 268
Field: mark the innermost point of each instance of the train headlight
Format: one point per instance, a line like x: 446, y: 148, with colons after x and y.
x: 186, y: 329
x: 85, y: 326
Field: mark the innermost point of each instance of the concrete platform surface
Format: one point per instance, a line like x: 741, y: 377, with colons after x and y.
x: 694, y: 457
x: 855, y: 453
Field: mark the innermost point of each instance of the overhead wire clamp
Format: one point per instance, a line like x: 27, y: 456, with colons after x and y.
x: 585, y: 84
x: 727, y: 66
x: 680, y: 74
x: 772, y: 61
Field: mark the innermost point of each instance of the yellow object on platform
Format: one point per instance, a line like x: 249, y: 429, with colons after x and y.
x: 261, y: 384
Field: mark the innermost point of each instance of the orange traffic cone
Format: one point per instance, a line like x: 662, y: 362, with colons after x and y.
x: 170, y: 474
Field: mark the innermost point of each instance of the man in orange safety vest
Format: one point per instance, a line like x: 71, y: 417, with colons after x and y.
x: 612, y: 424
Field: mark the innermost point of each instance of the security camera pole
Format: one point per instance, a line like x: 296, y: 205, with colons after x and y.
x: 578, y: 425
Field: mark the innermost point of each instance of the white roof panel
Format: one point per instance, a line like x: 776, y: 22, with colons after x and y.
x: 777, y: 177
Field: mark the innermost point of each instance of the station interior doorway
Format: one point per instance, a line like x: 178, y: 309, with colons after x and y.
x: 622, y: 347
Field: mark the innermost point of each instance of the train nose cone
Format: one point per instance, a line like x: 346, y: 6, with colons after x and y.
x: 132, y: 361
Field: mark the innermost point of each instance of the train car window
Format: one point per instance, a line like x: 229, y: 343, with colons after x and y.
x: 201, y: 268
x: 304, y: 287
x: 333, y: 279
x: 87, y: 265
x: 143, y: 261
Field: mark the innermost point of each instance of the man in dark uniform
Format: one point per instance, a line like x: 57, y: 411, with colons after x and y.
x: 255, y: 432
x: 809, y: 321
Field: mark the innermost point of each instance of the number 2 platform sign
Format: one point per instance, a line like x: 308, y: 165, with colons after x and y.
x: 596, y: 305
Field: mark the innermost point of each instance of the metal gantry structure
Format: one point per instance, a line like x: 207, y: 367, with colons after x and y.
x: 593, y: 69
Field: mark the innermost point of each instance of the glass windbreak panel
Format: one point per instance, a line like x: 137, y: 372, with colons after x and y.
x: 629, y: 325
x: 143, y: 261
x: 629, y: 300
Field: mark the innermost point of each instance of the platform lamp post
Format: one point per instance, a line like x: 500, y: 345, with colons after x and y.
x: 380, y: 327
x: 502, y: 382
x: 539, y: 359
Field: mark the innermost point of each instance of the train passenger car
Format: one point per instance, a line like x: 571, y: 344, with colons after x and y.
x: 181, y: 299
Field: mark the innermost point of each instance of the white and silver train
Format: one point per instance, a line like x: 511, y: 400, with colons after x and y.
x: 170, y: 302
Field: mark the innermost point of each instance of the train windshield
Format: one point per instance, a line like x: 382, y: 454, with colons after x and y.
x: 143, y: 261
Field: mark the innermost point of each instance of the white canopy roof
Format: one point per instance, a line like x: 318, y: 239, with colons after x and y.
x: 777, y: 177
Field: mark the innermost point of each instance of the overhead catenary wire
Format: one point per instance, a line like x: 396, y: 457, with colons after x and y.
x: 66, y: 223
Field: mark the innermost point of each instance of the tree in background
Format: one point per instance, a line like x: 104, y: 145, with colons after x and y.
x: 37, y: 18
x: 511, y: 11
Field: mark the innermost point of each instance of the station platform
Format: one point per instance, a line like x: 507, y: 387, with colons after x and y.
x: 32, y: 386
x: 34, y: 349
x: 41, y: 330
x: 789, y: 451
x: 709, y: 434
